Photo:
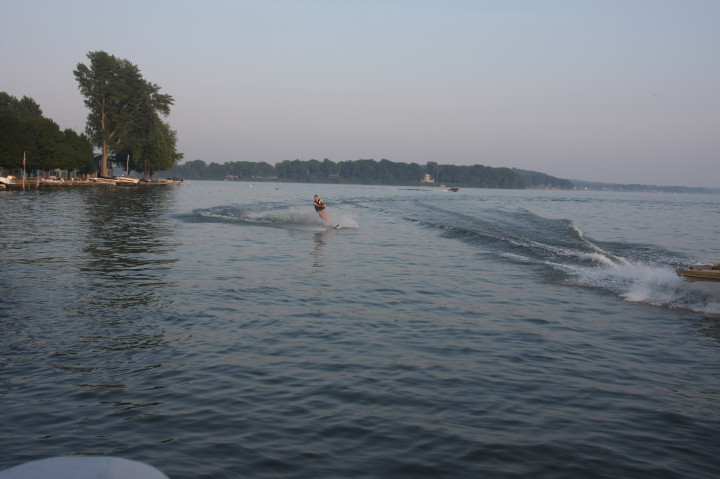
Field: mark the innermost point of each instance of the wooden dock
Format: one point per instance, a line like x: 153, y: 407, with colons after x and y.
x: 80, y: 183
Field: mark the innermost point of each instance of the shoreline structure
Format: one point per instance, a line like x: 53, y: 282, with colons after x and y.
x: 85, y: 182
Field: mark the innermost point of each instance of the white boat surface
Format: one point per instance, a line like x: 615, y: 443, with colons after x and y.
x: 82, y: 467
x: 126, y: 180
x: 52, y: 181
x: 103, y: 181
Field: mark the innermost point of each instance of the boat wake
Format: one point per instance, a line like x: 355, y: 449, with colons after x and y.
x: 559, y: 253
x: 278, y: 217
x: 655, y: 284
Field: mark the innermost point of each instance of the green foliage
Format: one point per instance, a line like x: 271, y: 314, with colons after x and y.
x: 14, y: 140
x: 154, y: 151
x: 24, y: 131
x: 21, y: 109
x: 246, y: 169
x: 125, y: 112
x: 77, y: 152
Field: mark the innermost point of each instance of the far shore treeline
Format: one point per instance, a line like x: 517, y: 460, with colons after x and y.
x: 369, y: 172
x: 385, y: 172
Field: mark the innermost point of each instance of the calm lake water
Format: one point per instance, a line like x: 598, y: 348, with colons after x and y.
x: 218, y: 330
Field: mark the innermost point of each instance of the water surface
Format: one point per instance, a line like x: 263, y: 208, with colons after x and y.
x: 220, y: 330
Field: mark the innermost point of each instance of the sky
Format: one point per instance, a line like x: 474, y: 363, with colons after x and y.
x: 618, y: 91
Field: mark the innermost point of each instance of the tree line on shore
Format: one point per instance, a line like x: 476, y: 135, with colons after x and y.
x: 385, y: 172
x: 26, y: 133
x: 369, y: 171
x: 125, y: 122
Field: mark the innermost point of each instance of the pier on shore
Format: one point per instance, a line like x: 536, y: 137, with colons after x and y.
x: 85, y: 182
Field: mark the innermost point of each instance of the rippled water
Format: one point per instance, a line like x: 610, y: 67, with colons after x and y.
x: 219, y: 330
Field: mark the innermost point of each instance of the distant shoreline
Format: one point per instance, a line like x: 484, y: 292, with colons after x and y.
x: 579, y: 185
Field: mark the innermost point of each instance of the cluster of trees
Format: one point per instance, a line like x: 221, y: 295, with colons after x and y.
x: 26, y: 133
x: 126, y: 115
x: 364, y: 171
x: 125, y: 122
x: 240, y: 170
x: 367, y: 171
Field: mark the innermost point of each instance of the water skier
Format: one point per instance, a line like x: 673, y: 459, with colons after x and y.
x: 320, y: 208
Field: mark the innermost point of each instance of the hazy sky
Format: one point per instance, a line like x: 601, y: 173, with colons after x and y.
x: 624, y: 91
